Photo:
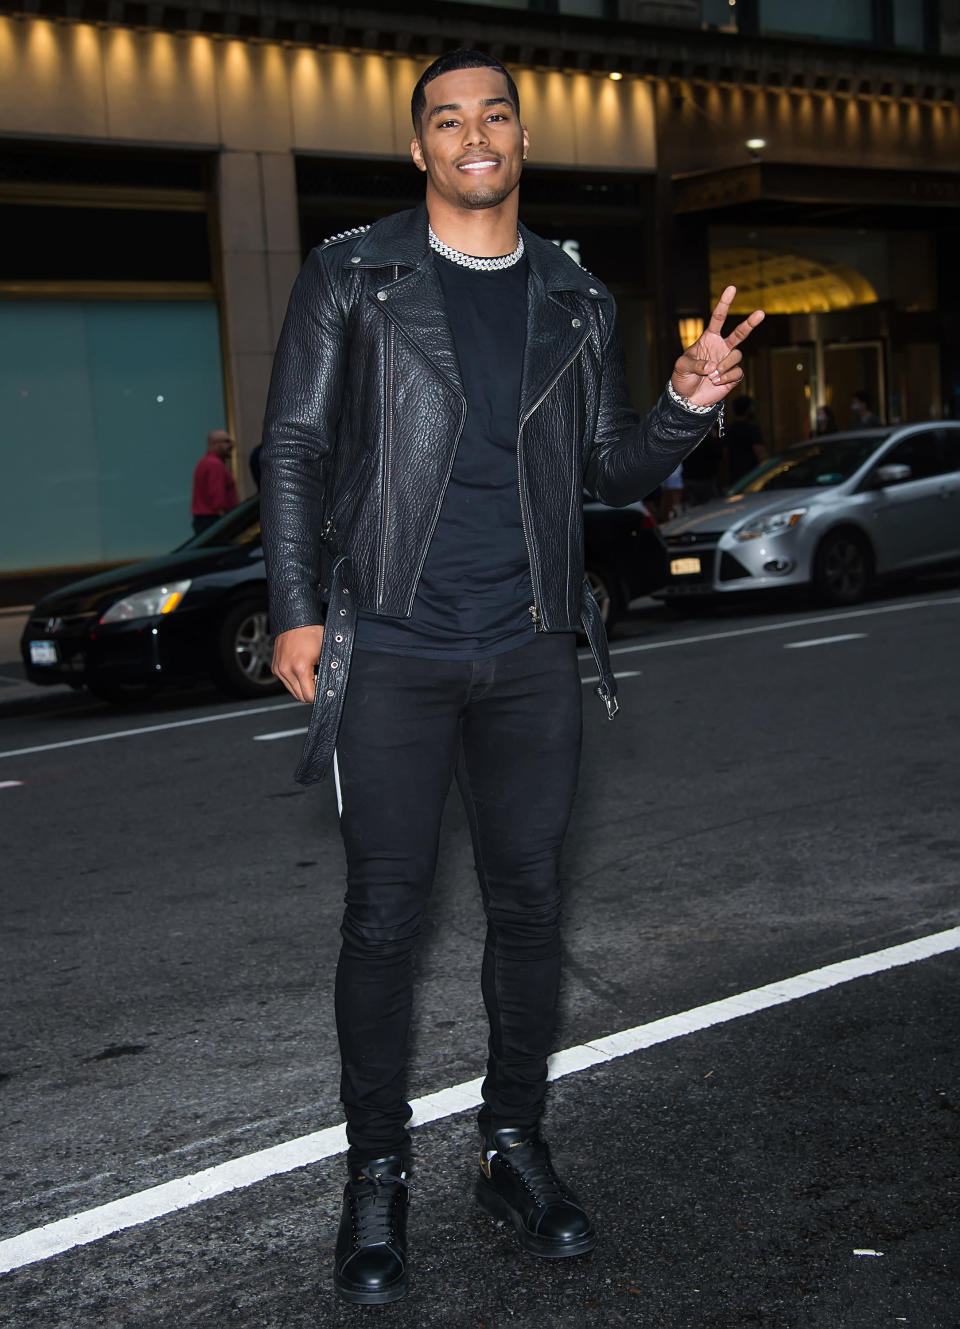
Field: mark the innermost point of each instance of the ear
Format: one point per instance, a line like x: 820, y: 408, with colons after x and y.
x: 526, y: 144
x: 416, y: 152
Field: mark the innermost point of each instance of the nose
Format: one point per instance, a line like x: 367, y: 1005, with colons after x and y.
x: 475, y: 133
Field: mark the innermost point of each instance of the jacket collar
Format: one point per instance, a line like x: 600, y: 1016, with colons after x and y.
x: 401, y: 241
x: 411, y: 301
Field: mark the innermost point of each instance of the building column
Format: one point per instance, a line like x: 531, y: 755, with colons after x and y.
x: 259, y: 237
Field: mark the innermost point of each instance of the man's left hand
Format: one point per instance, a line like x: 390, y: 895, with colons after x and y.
x: 710, y: 368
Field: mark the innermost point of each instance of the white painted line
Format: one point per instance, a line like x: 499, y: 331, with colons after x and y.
x: 625, y: 673
x: 151, y: 729
x: 143, y: 1206
x: 822, y: 641
x: 336, y: 783
x: 279, y: 733
x: 10, y: 784
x: 784, y: 625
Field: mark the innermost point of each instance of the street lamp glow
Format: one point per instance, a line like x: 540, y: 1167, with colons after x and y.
x: 615, y: 75
x: 756, y: 144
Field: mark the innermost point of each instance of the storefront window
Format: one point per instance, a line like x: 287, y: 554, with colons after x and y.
x: 839, y: 20
x: 105, y: 408
x: 908, y: 24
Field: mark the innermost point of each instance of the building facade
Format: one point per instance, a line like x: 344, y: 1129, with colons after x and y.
x: 163, y: 171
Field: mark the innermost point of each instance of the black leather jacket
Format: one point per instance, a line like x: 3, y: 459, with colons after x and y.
x: 365, y: 411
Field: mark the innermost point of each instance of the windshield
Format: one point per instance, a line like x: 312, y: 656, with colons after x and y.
x: 817, y: 464
x: 239, y: 527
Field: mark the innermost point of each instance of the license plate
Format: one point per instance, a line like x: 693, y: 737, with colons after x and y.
x: 44, y: 653
x: 683, y: 567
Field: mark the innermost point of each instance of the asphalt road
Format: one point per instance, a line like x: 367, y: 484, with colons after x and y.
x: 778, y: 794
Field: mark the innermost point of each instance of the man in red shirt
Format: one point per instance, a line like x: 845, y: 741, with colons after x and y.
x: 214, y: 488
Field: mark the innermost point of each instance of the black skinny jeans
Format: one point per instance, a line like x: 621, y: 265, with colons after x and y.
x: 509, y: 728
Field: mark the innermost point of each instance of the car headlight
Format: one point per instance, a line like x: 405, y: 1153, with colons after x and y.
x: 147, y: 604
x: 773, y: 524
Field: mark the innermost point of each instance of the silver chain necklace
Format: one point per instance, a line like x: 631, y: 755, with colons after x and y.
x: 469, y: 260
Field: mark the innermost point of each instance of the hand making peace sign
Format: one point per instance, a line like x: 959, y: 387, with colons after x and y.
x: 707, y: 371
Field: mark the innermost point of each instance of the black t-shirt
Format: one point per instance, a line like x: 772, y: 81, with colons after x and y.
x: 475, y: 591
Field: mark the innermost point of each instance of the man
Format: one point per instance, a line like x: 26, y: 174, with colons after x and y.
x: 863, y: 415
x: 214, y: 488
x: 745, y: 445
x: 445, y: 387
x: 701, y: 471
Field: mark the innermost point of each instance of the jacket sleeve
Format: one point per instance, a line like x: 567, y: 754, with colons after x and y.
x: 631, y: 454
x: 299, y: 433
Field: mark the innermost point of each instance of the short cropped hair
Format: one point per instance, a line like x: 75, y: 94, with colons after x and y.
x: 446, y: 64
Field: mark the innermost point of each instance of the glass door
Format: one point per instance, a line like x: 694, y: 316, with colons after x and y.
x: 850, y: 367
x: 793, y: 393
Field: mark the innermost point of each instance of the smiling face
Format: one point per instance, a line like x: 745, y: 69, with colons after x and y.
x: 471, y: 143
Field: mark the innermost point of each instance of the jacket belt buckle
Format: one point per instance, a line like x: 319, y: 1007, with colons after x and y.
x: 608, y: 699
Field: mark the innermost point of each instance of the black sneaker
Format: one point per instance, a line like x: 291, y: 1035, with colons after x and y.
x: 519, y: 1184
x: 370, y: 1266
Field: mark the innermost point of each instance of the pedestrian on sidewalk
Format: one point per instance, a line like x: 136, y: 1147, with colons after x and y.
x: 862, y: 414
x: 214, y: 488
x: 744, y: 440
x: 425, y: 363
x: 701, y: 471
x: 671, y: 495
x: 826, y: 421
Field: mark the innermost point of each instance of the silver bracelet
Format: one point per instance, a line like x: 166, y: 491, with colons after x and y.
x: 686, y: 403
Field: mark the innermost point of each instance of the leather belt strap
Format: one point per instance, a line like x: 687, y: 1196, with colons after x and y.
x: 332, y: 672
x: 596, y: 633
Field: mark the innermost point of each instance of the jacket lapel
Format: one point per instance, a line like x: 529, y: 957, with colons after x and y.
x: 552, y: 342
x: 411, y: 298
x: 414, y: 303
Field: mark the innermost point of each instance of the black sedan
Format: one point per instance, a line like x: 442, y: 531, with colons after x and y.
x: 198, y: 612
x: 201, y: 612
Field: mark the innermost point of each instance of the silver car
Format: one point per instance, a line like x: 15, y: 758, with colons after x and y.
x: 832, y: 514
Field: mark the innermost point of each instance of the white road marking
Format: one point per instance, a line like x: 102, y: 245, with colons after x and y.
x: 10, y: 784
x: 615, y: 650
x: 150, y: 729
x: 336, y: 781
x: 623, y: 673
x: 784, y: 625
x: 143, y: 1206
x: 822, y: 641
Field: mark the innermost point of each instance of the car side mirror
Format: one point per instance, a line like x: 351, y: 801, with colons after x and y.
x: 893, y: 474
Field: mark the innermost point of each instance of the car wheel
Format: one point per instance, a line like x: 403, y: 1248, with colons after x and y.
x: 244, y: 651
x: 607, y: 594
x: 843, y: 568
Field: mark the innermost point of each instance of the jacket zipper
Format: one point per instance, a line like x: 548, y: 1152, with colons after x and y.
x: 388, y: 425
x: 534, y: 608
x: 534, y: 572
x: 436, y: 511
